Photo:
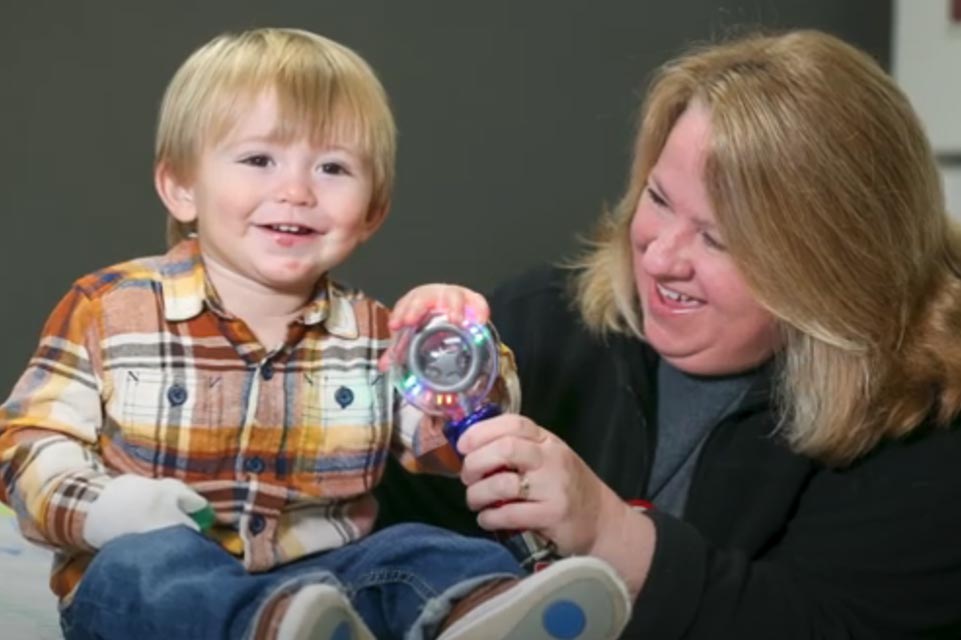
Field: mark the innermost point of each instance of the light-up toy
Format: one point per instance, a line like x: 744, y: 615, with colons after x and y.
x: 447, y: 369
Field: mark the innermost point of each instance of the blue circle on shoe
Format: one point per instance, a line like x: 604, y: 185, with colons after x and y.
x: 564, y: 619
x: 342, y: 632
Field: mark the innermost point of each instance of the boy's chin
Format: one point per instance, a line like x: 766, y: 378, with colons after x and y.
x: 303, y: 285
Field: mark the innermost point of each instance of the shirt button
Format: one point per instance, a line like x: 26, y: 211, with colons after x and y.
x: 257, y: 523
x: 343, y: 396
x: 177, y: 395
x: 267, y: 371
x: 254, y: 465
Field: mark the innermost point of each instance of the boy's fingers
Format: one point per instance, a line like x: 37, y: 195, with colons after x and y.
x: 478, y: 308
x: 415, y: 311
x: 453, y: 304
x: 457, y: 302
x: 396, y: 314
x: 384, y: 361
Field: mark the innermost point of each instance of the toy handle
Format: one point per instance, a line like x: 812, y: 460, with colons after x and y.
x: 454, y: 429
x: 517, y: 542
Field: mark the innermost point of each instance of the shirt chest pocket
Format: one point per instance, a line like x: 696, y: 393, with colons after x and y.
x: 178, y: 410
x: 148, y: 399
x: 344, y: 410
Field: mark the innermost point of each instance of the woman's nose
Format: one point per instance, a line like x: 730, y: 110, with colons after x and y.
x: 667, y: 254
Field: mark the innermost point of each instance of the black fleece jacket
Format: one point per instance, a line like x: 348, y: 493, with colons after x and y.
x: 771, y: 544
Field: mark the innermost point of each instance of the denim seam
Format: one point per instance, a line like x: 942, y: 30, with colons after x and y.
x: 385, y: 576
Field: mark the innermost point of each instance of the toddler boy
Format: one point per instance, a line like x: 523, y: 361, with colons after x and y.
x: 232, y: 383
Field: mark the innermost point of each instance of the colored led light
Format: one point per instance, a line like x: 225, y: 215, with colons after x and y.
x: 446, y: 369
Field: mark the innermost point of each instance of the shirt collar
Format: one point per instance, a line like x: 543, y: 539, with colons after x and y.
x: 185, y: 293
x: 331, y: 306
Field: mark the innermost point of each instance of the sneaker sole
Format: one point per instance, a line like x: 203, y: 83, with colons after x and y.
x: 329, y: 616
x: 575, y: 599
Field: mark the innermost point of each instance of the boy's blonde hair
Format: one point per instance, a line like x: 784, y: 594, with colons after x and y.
x: 325, y: 92
x: 828, y: 197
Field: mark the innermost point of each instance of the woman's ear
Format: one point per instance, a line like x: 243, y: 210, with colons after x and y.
x: 176, y: 196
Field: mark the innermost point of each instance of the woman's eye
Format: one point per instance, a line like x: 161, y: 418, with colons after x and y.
x: 334, y: 168
x: 712, y: 242
x: 257, y: 160
x: 656, y: 197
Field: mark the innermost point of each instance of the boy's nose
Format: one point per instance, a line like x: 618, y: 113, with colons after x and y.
x: 297, y: 191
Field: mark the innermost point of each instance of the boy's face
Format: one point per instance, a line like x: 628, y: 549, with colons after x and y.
x: 277, y: 215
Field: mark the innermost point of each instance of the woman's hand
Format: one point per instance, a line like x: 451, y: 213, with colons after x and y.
x: 541, y: 485
x: 520, y: 476
x: 455, y: 301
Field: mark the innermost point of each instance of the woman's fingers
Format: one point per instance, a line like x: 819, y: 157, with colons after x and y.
x: 517, y: 516
x: 541, y: 486
x: 492, y: 429
x: 500, y: 487
x: 506, y: 453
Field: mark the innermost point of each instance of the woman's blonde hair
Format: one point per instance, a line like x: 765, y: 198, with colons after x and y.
x: 829, y: 200
x: 325, y: 93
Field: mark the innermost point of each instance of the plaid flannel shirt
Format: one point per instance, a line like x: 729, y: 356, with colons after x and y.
x: 140, y: 370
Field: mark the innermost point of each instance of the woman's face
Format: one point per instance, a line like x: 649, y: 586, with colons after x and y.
x: 698, y: 312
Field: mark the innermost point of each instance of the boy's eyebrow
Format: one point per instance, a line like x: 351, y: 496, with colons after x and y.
x: 274, y: 138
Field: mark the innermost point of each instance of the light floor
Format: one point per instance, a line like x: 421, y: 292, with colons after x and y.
x: 28, y: 610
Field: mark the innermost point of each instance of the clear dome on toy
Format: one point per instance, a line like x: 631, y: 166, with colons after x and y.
x: 445, y: 368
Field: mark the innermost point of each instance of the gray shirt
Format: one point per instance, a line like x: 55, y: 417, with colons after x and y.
x: 688, y: 408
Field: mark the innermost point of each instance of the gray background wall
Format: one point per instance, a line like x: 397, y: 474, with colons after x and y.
x: 515, y: 123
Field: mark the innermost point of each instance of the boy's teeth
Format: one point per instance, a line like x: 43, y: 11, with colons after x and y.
x: 288, y: 228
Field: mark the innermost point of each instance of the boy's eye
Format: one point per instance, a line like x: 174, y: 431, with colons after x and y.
x: 333, y: 168
x: 257, y: 160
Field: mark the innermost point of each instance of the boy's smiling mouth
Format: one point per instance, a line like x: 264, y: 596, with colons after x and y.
x: 287, y: 228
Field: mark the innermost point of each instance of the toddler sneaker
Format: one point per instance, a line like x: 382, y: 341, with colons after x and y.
x: 579, y: 598
x: 321, y: 612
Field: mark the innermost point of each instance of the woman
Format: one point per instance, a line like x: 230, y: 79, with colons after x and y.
x: 763, y: 342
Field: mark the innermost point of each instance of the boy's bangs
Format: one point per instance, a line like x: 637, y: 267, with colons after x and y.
x: 317, y: 104
x: 323, y: 115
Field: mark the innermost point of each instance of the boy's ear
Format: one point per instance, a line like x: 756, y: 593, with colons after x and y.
x: 176, y: 196
x: 375, y: 218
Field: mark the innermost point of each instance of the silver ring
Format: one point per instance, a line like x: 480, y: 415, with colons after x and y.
x: 524, y: 487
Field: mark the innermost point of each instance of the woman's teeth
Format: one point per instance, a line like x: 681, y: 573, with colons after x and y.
x: 676, y: 296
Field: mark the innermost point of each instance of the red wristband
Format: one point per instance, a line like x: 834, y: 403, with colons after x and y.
x: 640, y: 505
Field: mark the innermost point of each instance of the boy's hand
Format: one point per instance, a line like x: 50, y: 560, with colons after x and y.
x: 134, y: 504
x: 457, y: 302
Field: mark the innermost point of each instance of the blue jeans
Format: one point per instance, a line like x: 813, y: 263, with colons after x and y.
x: 176, y: 583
